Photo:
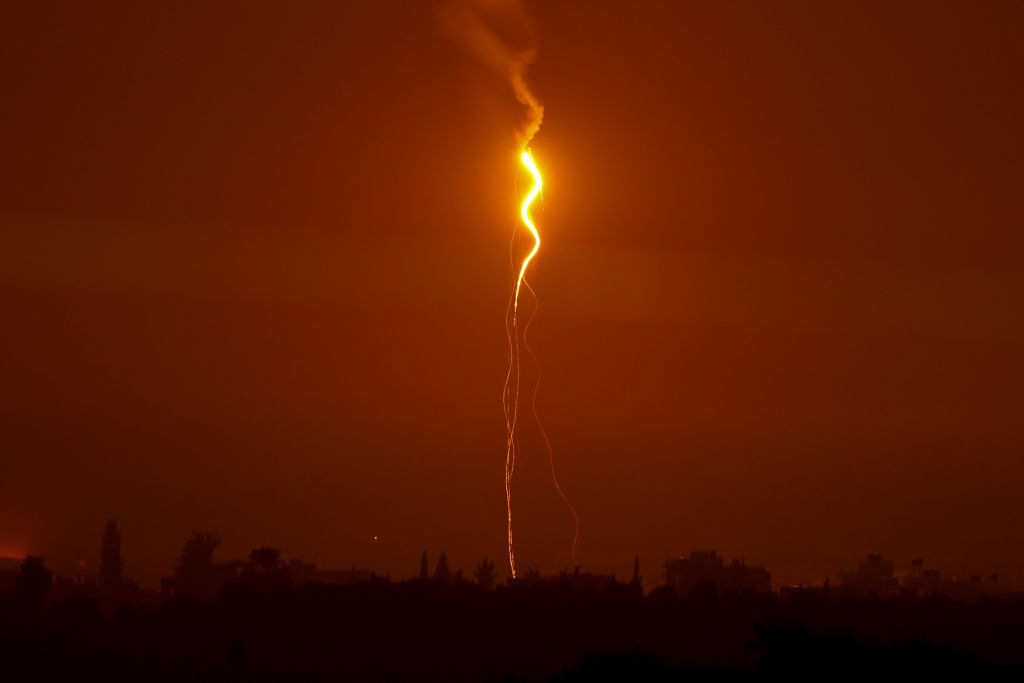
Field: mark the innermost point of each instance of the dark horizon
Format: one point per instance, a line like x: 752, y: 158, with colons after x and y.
x: 265, y: 619
x: 198, y: 573
x: 978, y: 579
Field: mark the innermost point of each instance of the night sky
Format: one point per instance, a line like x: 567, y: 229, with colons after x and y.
x: 254, y: 263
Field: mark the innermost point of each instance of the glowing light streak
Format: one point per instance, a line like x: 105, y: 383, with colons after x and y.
x: 544, y: 432
x: 538, y: 184
x: 510, y: 393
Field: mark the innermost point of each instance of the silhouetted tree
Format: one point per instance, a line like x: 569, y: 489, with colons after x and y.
x: 636, y: 572
x: 110, y: 555
x: 195, y: 573
x: 266, y: 569
x: 441, y: 571
x: 267, y: 559
x: 484, y: 574
x: 424, y: 569
x: 532, y: 576
x: 197, y: 553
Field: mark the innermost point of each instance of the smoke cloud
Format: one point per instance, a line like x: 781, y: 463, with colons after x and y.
x: 500, y: 34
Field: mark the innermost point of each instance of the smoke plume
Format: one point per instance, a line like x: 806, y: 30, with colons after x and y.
x: 499, y: 33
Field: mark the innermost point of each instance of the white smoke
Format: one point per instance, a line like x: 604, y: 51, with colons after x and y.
x: 499, y: 33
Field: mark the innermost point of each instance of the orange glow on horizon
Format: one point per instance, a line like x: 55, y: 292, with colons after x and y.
x: 12, y: 554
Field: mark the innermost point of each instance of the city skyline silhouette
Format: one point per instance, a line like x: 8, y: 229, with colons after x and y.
x: 748, y: 274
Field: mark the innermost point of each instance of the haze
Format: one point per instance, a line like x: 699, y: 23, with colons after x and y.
x: 253, y: 266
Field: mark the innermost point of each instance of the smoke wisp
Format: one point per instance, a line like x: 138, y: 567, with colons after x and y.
x: 500, y: 34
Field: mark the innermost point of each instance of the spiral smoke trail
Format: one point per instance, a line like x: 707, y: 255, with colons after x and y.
x: 500, y: 34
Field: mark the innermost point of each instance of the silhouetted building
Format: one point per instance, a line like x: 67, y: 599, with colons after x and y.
x: 799, y: 591
x: 684, y: 574
x: 873, y: 576
x: 581, y: 581
x: 922, y: 581
x: 576, y: 580
x: 8, y: 575
x: 196, y: 573
x: 307, y: 572
x: 110, y: 555
x: 206, y: 583
x: 31, y: 585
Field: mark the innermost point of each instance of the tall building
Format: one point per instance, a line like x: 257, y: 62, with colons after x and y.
x: 872, y: 576
x: 684, y: 574
x: 110, y: 555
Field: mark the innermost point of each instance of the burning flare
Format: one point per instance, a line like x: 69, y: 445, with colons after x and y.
x: 538, y: 184
x: 510, y: 395
x: 500, y: 34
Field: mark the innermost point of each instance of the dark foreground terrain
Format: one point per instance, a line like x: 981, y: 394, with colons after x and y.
x: 429, y: 631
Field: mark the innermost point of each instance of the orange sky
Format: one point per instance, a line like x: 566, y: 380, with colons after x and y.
x: 253, y: 268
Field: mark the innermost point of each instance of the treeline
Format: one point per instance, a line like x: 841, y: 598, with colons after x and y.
x: 262, y: 618
x: 438, y: 628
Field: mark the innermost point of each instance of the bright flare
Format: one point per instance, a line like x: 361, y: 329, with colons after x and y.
x: 538, y: 184
x: 510, y: 395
